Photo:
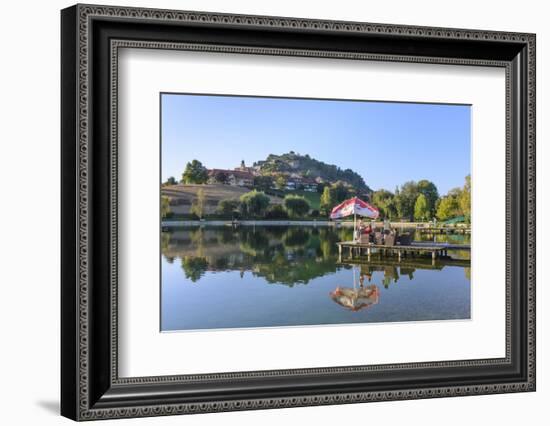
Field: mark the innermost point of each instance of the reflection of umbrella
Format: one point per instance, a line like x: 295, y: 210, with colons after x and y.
x: 356, y: 299
x: 354, y: 206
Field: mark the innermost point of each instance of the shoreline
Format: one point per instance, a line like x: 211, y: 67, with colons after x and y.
x: 180, y: 223
x: 399, y: 225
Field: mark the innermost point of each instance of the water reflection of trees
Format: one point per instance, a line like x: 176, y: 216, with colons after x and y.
x: 194, y: 267
x: 279, y: 254
x: 296, y: 238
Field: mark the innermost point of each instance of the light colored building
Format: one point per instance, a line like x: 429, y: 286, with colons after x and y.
x: 301, y: 183
x: 310, y: 185
x: 233, y: 177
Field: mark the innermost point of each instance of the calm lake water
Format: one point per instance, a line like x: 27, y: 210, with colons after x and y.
x: 272, y: 276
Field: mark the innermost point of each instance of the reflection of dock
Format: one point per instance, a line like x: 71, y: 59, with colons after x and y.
x: 377, y: 261
x: 357, y: 249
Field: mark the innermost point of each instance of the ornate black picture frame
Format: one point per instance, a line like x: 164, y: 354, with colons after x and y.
x: 91, y: 387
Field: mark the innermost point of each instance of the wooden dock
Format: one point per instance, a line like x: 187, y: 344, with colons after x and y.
x: 443, y: 230
x: 357, y: 249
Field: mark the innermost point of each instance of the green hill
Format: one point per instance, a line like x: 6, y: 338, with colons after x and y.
x: 309, y: 167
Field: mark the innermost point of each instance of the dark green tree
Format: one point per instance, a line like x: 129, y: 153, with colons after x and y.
x: 164, y: 207
x: 194, y: 172
x: 221, y: 177
x: 197, y: 207
x: 384, y: 201
x: 327, y: 202
x: 405, y: 200
x: 421, y: 208
x: 254, y: 203
x: 465, y: 199
x: 449, y: 206
x: 276, y: 211
x: 228, y: 207
x: 296, y: 205
x: 170, y: 181
x: 430, y: 192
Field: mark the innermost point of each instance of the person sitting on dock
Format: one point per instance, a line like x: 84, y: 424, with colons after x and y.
x: 368, y: 232
x: 363, y: 232
x: 359, y: 230
x: 368, y: 229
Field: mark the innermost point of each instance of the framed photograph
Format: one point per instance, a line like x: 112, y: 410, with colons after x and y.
x: 263, y: 212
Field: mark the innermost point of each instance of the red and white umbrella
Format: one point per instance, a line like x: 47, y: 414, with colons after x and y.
x: 354, y: 206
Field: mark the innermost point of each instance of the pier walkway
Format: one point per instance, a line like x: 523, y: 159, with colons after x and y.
x: 356, y: 249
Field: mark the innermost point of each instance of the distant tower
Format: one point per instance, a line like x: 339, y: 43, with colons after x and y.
x: 243, y: 166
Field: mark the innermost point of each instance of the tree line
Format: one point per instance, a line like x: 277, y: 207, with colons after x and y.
x: 421, y: 201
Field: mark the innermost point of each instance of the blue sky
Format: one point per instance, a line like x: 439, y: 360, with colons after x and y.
x: 386, y: 143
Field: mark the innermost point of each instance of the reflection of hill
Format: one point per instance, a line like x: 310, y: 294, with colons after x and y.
x: 284, y: 255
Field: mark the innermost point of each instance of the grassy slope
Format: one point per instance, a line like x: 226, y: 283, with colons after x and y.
x: 211, y: 192
x: 215, y: 193
x: 313, y: 197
